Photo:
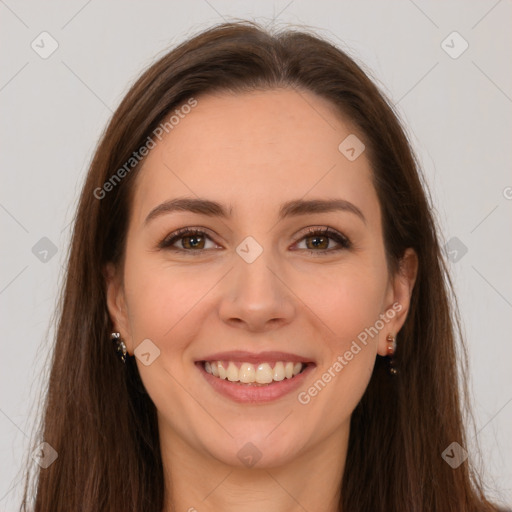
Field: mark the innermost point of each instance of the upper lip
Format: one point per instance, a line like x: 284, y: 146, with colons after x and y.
x: 252, y: 357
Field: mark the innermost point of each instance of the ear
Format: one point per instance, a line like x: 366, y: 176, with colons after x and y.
x: 116, y: 304
x: 398, y: 298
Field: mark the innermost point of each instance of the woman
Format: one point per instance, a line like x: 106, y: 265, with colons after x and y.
x: 254, y: 237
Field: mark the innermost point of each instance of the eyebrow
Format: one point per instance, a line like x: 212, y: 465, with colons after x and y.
x: 292, y: 208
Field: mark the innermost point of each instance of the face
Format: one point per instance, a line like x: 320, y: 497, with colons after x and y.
x: 264, y: 288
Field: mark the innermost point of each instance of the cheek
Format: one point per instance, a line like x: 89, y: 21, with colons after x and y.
x: 163, y: 306
x: 347, y: 362
x: 161, y: 297
x: 349, y: 305
x: 347, y: 301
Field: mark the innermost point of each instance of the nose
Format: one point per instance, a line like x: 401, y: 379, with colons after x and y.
x: 256, y: 296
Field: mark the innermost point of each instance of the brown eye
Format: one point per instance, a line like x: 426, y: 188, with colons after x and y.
x: 317, y: 240
x: 192, y: 240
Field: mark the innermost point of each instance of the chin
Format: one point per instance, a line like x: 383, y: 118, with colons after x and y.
x: 258, y: 451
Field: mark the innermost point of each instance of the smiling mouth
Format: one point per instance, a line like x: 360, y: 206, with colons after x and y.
x: 249, y: 374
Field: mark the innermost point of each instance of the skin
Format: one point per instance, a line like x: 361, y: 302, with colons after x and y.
x: 254, y: 151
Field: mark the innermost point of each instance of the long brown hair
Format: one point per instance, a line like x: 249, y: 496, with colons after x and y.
x: 97, y: 414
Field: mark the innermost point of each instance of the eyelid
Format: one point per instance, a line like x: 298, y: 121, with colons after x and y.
x: 168, y: 240
x: 342, y: 240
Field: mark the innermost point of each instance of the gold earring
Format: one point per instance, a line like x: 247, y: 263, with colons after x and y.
x: 391, y: 340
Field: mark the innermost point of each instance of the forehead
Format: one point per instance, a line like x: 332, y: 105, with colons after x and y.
x: 255, y: 150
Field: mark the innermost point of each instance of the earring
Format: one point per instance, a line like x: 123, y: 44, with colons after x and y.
x: 391, y: 340
x: 119, y: 346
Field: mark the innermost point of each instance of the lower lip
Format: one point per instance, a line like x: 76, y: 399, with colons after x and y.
x: 245, y: 393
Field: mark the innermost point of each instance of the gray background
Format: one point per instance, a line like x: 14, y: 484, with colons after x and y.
x: 457, y: 112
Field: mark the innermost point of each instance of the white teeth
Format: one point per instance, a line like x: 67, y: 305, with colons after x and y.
x: 288, y: 370
x: 232, y: 372
x: 264, y: 373
x: 222, y: 372
x: 248, y: 373
x: 279, y: 371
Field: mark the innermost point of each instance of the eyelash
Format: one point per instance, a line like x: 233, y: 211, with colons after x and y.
x: 342, y: 240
